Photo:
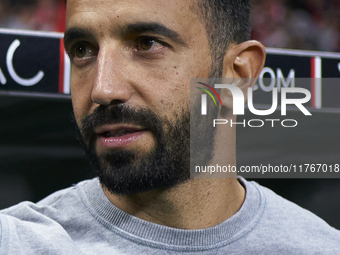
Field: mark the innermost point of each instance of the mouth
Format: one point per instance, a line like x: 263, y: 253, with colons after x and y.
x: 118, y: 136
x: 119, y: 133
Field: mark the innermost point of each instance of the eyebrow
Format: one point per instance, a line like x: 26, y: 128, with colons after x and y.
x: 154, y: 28
x: 74, y: 33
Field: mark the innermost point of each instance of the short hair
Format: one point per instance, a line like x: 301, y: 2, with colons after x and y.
x: 226, y: 22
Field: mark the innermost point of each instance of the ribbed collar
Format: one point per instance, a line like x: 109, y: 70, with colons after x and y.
x: 156, y: 235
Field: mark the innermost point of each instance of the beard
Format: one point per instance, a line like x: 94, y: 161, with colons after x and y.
x: 125, y: 172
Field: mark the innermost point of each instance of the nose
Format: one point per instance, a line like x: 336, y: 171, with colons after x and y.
x: 111, y: 84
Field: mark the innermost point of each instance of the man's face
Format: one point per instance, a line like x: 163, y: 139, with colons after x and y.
x: 131, y: 67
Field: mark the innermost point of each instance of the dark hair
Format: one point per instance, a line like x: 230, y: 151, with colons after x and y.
x: 226, y: 22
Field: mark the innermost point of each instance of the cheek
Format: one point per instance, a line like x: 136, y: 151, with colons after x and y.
x: 172, y: 99
x: 81, y: 101
x: 179, y: 88
x: 81, y: 87
x: 170, y: 91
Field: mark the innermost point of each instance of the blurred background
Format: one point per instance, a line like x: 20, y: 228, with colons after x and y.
x: 294, y: 24
x: 297, y: 24
x: 44, y: 15
x: 38, y: 150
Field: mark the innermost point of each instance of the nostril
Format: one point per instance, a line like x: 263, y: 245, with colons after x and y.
x: 116, y: 102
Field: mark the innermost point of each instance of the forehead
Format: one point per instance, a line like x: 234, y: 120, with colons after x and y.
x: 178, y: 15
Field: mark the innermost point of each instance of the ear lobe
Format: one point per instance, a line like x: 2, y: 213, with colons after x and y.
x: 242, y: 65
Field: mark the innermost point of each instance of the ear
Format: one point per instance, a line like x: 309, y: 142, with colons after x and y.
x: 242, y: 65
x: 244, y: 60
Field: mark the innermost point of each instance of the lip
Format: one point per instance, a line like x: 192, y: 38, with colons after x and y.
x: 115, y: 142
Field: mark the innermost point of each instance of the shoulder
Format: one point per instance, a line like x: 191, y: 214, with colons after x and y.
x: 292, y: 226
x: 43, y: 224
x: 27, y: 210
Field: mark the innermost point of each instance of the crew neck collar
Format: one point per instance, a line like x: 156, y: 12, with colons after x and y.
x: 153, y: 234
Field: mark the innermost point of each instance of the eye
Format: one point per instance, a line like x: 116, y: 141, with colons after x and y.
x: 146, y: 43
x: 149, y: 44
x: 82, y: 51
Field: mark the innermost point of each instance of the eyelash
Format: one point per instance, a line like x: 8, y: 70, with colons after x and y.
x: 139, y: 40
x: 136, y: 48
